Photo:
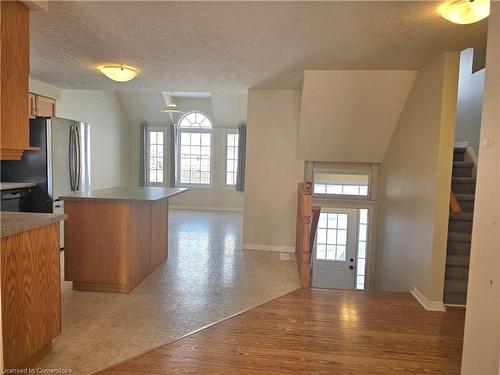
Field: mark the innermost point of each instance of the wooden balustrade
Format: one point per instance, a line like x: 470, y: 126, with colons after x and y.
x: 454, y: 205
x: 307, y: 224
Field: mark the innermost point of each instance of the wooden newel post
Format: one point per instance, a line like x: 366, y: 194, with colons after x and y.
x: 304, y: 231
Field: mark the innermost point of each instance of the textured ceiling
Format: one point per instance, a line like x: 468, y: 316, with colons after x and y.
x: 232, y: 46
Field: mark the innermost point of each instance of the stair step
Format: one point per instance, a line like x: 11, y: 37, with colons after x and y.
x: 459, y: 154
x: 463, y: 185
x: 464, y: 216
x: 466, y: 202
x: 462, y: 169
x: 465, y: 197
x: 455, y: 298
x: 464, y: 180
x: 457, y: 260
x: 455, y: 285
x: 459, y: 237
x: 460, y: 222
x: 458, y: 248
x: 457, y: 272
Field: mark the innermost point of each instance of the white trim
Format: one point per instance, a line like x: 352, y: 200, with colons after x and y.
x: 462, y: 145
x: 472, y: 156
x: 207, y: 208
x: 278, y: 248
x: 428, y: 305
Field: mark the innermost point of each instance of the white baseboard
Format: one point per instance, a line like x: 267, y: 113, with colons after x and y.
x: 199, y: 208
x: 281, y: 249
x: 454, y: 305
x: 428, y: 305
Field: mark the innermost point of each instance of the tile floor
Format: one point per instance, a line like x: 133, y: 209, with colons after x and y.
x: 207, y: 277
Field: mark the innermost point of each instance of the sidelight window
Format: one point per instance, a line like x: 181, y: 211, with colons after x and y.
x: 231, y: 158
x: 157, y: 156
x: 362, y: 247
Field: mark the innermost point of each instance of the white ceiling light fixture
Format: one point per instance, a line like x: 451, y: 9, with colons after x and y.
x: 171, y: 108
x: 465, y: 12
x: 119, y: 73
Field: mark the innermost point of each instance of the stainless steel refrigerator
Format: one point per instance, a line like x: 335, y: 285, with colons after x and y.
x: 61, y: 167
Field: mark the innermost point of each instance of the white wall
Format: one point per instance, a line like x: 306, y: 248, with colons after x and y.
x: 482, y: 320
x: 349, y: 116
x: 109, y: 133
x: 272, y: 169
x: 224, y: 110
x: 415, y: 178
x: 470, y: 101
x: 44, y: 89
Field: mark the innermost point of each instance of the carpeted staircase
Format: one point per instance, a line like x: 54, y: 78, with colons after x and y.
x: 459, y: 230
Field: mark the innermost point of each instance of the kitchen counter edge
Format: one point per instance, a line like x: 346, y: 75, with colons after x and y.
x: 18, y: 222
x: 120, y: 194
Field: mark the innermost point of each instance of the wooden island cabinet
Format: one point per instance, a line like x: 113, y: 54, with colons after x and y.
x: 30, y: 286
x: 115, y: 237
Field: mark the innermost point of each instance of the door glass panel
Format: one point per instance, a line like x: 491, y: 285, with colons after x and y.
x: 331, y: 237
x: 340, y: 253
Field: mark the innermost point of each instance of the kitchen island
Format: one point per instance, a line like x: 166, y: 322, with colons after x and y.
x: 115, y: 237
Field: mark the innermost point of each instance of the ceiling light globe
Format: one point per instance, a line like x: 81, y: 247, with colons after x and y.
x: 119, y: 73
x: 465, y: 12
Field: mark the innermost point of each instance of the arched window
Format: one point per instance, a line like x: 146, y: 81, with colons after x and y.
x: 195, y: 149
x: 195, y: 120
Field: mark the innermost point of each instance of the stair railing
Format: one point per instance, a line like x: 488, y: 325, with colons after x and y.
x: 307, y: 225
x: 454, y: 205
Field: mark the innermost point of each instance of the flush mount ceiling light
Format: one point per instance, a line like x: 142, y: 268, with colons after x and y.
x: 465, y: 12
x: 120, y: 73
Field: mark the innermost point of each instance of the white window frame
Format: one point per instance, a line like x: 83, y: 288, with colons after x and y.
x: 181, y: 130
x: 224, y: 169
x: 360, y: 170
x: 166, y: 169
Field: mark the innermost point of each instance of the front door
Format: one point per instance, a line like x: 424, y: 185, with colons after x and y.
x: 334, y: 254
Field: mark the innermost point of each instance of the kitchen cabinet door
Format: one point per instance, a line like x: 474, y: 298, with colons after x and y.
x: 14, y: 71
x: 45, y: 107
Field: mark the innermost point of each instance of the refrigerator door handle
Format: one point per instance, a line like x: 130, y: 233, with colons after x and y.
x: 72, y: 176
x: 78, y: 163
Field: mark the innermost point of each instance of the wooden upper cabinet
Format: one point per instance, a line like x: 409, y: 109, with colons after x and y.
x: 41, y: 106
x: 14, y: 72
x: 45, y: 107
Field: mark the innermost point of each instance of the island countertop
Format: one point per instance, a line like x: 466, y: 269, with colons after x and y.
x: 127, y: 193
x: 18, y: 222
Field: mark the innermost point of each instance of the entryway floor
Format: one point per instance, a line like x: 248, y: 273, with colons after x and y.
x: 206, y: 278
x: 312, y: 331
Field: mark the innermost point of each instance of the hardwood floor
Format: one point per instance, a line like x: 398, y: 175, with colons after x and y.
x: 313, y: 331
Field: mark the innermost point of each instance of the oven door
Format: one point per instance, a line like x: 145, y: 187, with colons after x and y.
x: 13, y: 200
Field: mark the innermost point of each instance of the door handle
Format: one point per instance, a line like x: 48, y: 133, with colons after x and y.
x: 351, y: 267
x: 351, y: 260
x: 78, y: 161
